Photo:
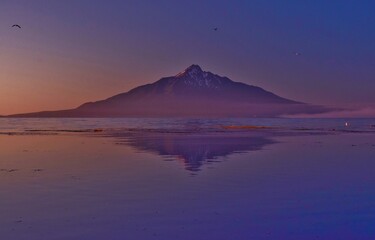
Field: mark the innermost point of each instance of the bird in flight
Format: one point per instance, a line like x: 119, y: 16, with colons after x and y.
x: 297, y: 53
x: 16, y: 25
x: 215, y: 29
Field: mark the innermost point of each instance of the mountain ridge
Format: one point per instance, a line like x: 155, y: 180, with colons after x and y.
x: 192, y: 92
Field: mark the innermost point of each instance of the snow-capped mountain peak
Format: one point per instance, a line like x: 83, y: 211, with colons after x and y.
x: 192, y: 71
x: 194, y: 76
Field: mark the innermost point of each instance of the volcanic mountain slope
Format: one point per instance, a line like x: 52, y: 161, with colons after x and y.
x: 191, y: 93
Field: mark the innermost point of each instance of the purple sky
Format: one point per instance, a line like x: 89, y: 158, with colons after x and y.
x: 70, y: 52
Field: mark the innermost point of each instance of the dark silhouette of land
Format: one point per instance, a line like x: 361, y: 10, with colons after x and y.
x: 191, y: 93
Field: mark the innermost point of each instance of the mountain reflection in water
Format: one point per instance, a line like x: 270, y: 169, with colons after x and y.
x: 194, y: 150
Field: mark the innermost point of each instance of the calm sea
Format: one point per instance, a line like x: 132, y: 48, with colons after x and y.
x: 174, y: 184
x: 22, y: 124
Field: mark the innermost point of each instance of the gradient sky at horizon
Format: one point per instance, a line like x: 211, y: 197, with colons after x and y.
x: 71, y: 52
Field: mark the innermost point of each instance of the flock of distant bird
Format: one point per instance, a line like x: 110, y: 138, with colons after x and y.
x: 214, y: 29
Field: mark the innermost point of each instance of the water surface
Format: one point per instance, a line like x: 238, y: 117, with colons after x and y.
x: 128, y: 182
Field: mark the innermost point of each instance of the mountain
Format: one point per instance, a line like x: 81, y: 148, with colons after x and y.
x: 191, y: 93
